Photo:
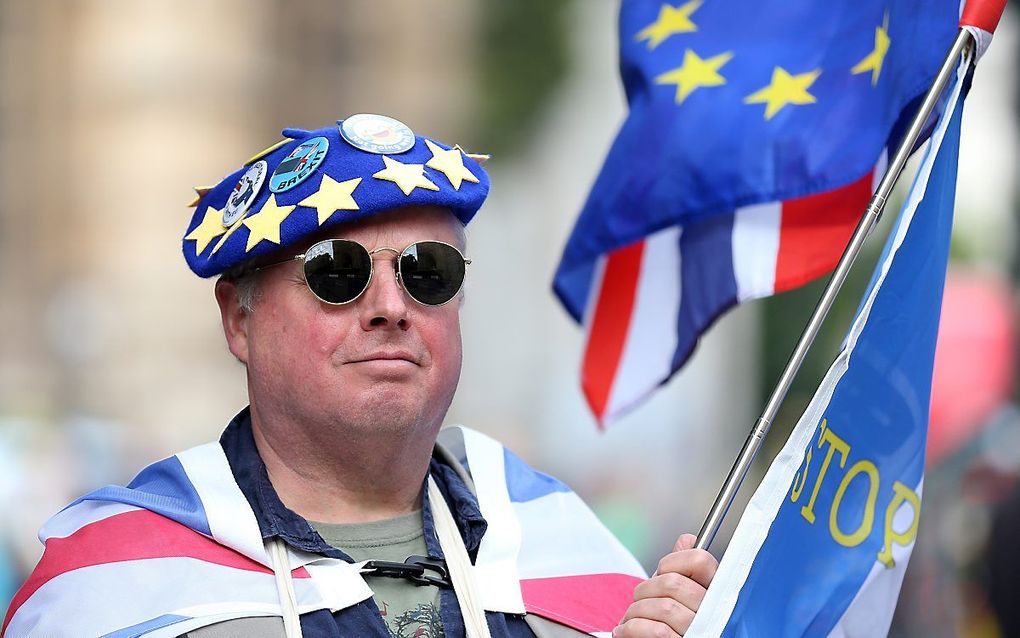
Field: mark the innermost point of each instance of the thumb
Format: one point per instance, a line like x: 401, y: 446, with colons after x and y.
x: 686, y: 541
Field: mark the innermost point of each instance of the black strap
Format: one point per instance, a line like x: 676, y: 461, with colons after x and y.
x: 413, y: 569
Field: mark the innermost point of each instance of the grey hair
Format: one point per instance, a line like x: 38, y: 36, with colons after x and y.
x: 247, y: 284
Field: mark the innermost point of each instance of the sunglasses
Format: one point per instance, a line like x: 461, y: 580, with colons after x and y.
x: 338, y: 271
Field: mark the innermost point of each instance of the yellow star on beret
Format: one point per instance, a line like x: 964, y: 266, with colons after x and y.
x: 265, y: 225
x: 331, y: 197
x: 450, y: 163
x: 200, y: 192
x: 407, y: 176
x: 210, y: 228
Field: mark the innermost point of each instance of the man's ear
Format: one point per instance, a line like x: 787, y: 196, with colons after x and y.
x: 234, y: 318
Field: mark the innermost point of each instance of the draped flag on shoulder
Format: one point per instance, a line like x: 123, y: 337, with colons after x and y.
x: 822, y: 546
x: 179, y: 548
x: 755, y: 132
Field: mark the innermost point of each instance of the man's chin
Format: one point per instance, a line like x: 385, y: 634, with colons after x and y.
x: 386, y: 409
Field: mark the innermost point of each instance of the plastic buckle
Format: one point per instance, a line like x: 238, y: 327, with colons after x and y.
x: 413, y: 569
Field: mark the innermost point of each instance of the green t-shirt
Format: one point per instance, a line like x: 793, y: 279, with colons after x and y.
x: 409, y: 610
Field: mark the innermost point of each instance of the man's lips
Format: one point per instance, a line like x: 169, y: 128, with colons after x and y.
x: 388, y: 355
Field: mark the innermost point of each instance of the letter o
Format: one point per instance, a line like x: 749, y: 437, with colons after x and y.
x: 867, y: 522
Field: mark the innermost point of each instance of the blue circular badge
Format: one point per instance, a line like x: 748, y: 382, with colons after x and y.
x: 376, y: 133
x: 299, y: 164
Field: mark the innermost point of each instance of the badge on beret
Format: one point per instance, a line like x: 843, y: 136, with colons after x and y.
x: 244, y: 193
x: 376, y: 133
x: 299, y: 164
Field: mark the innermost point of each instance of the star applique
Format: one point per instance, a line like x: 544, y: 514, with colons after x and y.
x: 873, y: 61
x: 266, y: 151
x: 695, y: 73
x: 784, y: 89
x: 407, y: 176
x: 265, y: 224
x: 210, y: 228
x: 331, y: 197
x: 200, y: 192
x: 226, y: 236
x: 671, y: 20
x: 450, y: 163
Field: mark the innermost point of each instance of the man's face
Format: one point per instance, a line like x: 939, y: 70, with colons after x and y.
x: 380, y: 363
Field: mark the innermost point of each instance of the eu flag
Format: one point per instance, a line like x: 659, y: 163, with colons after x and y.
x: 735, y: 106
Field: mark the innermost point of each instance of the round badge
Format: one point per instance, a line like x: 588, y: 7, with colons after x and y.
x: 244, y: 193
x: 376, y: 133
x: 299, y: 164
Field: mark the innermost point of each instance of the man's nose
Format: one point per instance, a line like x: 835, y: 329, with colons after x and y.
x: 384, y: 304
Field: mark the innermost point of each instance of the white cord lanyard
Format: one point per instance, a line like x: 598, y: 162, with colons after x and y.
x: 457, y: 562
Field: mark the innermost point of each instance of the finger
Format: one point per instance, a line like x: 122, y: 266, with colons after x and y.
x: 644, y: 628
x: 697, y: 564
x: 686, y: 541
x: 677, y: 587
x: 662, y: 610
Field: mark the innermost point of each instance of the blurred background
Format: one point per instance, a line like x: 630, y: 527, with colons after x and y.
x: 111, y: 354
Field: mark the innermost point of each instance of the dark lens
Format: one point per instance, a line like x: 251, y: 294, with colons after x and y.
x: 338, y: 270
x: 432, y: 272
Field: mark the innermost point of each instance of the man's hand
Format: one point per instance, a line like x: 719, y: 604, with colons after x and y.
x: 664, y: 605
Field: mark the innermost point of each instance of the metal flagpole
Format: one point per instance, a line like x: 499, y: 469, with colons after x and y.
x: 752, y: 445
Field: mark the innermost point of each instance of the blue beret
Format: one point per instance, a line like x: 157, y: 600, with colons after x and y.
x: 311, y: 180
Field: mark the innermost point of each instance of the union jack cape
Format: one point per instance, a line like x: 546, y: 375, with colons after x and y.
x: 180, y: 548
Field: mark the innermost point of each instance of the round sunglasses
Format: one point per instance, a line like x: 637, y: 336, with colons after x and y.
x: 338, y: 271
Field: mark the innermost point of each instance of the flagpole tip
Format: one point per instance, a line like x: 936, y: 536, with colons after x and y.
x: 982, y: 14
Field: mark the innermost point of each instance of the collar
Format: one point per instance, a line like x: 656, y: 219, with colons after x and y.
x: 276, y: 520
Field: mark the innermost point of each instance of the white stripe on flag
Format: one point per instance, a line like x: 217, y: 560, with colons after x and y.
x: 496, y: 564
x: 71, y: 519
x: 648, y: 350
x: 598, y: 275
x: 870, y: 613
x: 755, y: 249
x: 85, y: 595
x: 879, y: 172
x: 230, y: 517
x: 564, y: 536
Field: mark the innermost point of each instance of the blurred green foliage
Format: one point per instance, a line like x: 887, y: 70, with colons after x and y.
x: 524, y: 55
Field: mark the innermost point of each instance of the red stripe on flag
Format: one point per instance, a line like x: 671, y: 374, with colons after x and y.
x: 609, y: 325
x: 134, y: 535
x: 595, y: 602
x: 983, y: 14
x: 815, y: 230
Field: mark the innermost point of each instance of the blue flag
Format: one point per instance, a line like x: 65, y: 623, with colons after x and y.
x: 822, y: 546
x: 747, y: 157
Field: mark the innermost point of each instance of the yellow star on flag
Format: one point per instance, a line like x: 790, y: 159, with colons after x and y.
x: 331, y: 197
x: 407, y: 176
x: 671, y: 20
x: 210, y: 228
x: 784, y: 89
x: 873, y: 61
x: 695, y: 73
x: 450, y: 163
x: 265, y: 224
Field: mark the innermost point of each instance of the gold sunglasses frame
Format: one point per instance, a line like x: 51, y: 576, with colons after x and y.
x: 371, y: 269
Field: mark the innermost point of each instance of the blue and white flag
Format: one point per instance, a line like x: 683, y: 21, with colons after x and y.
x: 823, y: 544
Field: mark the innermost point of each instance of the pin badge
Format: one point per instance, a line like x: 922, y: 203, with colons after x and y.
x: 244, y: 193
x: 299, y: 164
x: 376, y: 133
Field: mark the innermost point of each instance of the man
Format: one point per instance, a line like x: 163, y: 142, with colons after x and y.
x: 327, y: 507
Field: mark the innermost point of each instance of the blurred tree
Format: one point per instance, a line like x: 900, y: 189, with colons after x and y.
x: 523, y: 55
